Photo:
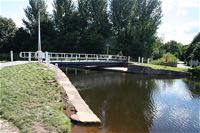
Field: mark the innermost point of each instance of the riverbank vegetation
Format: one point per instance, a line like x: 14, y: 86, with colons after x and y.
x: 167, y: 60
x: 196, y: 71
x: 30, y: 98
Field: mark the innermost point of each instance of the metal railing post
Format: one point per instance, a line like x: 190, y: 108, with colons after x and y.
x: 86, y: 56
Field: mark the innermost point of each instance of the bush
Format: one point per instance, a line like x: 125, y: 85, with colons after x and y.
x: 195, y: 71
x: 167, y: 60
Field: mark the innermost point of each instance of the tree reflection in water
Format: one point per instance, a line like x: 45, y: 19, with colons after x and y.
x: 135, y: 103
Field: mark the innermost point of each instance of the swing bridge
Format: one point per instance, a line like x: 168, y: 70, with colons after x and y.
x: 77, y: 59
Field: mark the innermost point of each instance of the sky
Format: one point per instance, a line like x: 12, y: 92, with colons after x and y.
x: 180, y: 21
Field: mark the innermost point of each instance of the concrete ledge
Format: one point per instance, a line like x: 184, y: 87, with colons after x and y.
x: 148, y: 70
x: 83, y: 112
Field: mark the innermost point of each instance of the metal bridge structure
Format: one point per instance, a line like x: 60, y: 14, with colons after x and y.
x: 78, y: 59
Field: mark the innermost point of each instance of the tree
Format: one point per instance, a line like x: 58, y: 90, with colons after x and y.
x: 7, y: 33
x: 21, y: 41
x: 47, y: 30
x: 120, y: 16
x: 63, y: 13
x: 141, y: 21
x: 95, y: 27
x: 193, y: 49
x: 31, y: 13
x: 173, y: 47
x: 158, y: 52
x: 67, y: 24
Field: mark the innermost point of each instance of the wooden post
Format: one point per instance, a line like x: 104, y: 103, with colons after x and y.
x: 29, y: 57
x: 139, y: 59
x: 46, y: 57
x: 129, y: 59
x: 48, y: 62
x: 148, y: 60
x: 142, y: 60
x: 11, y: 56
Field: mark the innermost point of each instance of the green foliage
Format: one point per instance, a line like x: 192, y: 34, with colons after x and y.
x: 7, y: 33
x: 95, y: 28
x: 157, y: 50
x: 27, y: 98
x: 196, y: 71
x: 193, y: 51
x: 128, y: 25
x: 167, y: 60
x: 31, y: 23
x: 31, y: 13
x: 173, y: 47
x: 135, y: 23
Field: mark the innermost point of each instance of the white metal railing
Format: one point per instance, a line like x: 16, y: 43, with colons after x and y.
x: 73, y: 56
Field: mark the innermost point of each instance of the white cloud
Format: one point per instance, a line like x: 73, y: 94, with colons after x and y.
x: 179, y: 32
x: 178, y: 23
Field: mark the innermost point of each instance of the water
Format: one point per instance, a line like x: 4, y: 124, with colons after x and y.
x: 128, y: 103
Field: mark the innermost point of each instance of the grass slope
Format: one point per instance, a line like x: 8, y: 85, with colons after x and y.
x: 29, y: 97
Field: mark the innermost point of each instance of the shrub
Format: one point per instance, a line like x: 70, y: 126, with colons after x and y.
x: 167, y: 60
x: 196, y: 71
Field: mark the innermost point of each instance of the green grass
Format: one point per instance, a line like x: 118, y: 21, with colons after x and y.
x: 163, y: 67
x: 30, y: 99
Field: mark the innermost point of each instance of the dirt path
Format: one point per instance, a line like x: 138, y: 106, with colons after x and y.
x: 6, y: 64
x: 7, y: 127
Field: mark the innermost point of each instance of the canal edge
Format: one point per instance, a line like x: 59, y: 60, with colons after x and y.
x: 83, y: 113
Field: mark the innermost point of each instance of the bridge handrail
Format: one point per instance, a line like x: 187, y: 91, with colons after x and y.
x: 75, y: 56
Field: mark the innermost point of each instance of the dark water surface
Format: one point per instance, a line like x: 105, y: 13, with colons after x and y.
x: 128, y: 103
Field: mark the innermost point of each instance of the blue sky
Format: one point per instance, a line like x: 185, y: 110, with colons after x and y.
x: 180, y: 22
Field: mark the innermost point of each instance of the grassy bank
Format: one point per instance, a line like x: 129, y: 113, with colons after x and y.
x: 163, y: 67
x: 30, y: 98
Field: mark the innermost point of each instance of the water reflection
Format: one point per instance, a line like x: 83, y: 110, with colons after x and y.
x: 136, y: 103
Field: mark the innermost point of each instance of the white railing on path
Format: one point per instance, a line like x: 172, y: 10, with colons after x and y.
x: 73, y: 56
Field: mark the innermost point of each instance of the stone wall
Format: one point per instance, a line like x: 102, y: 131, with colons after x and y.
x: 148, y: 70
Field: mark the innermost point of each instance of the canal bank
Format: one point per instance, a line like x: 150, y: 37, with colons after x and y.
x: 149, y: 70
x: 82, y: 111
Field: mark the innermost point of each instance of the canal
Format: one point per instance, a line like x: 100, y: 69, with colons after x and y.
x: 128, y: 103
